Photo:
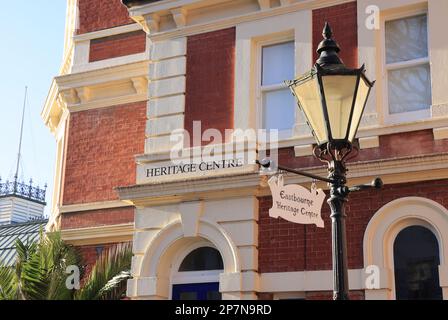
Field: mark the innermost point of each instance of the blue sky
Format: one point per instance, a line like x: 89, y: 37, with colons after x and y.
x: 32, y: 39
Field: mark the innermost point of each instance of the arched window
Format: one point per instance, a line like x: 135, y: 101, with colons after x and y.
x: 202, y: 259
x: 197, y: 277
x: 416, y: 261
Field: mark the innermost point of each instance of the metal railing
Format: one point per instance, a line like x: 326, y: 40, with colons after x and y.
x: 23, y: 190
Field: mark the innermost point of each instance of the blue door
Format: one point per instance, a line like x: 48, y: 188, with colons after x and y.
x: 197, y: 291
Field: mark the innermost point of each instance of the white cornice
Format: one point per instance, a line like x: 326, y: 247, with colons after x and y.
x: 101, y: 76
x: 107, y: 32
x: 92, y: 206
x: 396, y: 170
x: 139, y: 14
x: 93, y: 89
x: 99, y: 235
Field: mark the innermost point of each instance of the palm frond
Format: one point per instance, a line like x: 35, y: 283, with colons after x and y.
x: 106, y: 279
x: 7, y: 283
x: 115, y: 287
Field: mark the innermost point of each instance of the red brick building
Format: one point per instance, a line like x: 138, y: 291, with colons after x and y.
x: 133, y: 74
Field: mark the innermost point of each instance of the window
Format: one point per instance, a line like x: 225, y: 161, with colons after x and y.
x: 416, y: 260
x: 407, y: 68
x: 278, y: 105
x: 197, y: 277
x: 204, y: 258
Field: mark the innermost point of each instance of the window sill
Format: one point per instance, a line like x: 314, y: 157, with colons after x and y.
x: 373, y: 131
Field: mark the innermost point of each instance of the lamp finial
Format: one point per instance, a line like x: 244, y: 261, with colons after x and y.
x: 327, y: 32
x: 328, y: 49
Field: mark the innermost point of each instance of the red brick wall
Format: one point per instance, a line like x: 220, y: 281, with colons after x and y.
x: 90, y: 254
x: 96, y: 15
x: 100, y: 152
x: 117, y: 46
x: 285, y: 246
x: 96, y: 218
x: 210, y: 80
x: 343, y: 21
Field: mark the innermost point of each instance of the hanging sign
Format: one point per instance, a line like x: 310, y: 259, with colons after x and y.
x: 296, y: 203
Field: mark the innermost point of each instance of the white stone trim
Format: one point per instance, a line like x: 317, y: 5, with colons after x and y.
x: 369, y: 142
x: 85, y: 65
x: 440, y: 133
x: 96, y: 89
x: 99, y: 235
x: 247, y: 238
x: 92, y: 206
x: 161, y: 50
x: 180, y: 16
x: 167, y: 68
x: 371, y: 52
x: 167, y: 87
x: 211, y: 24
x: 169, y: 241
x: 303, y: 151
x: 397, y: 170
x: 264, y: 4
x: 302, y: 281
x: 385, y: 225
x: 100, y: 76
x: 250, y: 37
x: 166, y: 234
x: 166, y: 106
x: 107, y: 32
x: 190, y: 215
x: 158, y: 144
x: 104, y: 103
x: 164, y: 125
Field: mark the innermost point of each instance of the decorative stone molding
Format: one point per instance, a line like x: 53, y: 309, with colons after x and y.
x: 140, y: 85
x: 99, y: 235
x: 440, y: 133
x: 164, y: 235
x: 264, y: 4
x: 190, y: 213
x: 369, y: 142
x: 150, y: 22
x: 166, y: 93
x: 92, y: 206
x: 96, y: 89
x: 303, y: 151
x: 240, y: 12
x: 180, y: 17
x: 69, y: 96
x: 285, y: 2
x: 396, y: 170
x: 84, y: 94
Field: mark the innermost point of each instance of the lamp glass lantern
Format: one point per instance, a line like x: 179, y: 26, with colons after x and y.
x: 332, y: 96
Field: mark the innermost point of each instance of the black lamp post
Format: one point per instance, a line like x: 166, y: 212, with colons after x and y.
x: 333, y: 98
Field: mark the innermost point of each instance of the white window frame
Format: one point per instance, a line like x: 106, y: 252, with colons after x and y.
x: 410, y: 116
x: 260, y: 89
x: 192, y: 277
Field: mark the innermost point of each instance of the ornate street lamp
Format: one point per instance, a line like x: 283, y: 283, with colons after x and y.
x: 333, y: 98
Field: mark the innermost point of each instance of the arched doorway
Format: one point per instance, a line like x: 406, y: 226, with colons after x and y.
x: 384, y: 233
x: 416, y: 262
x: 196, y: 277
